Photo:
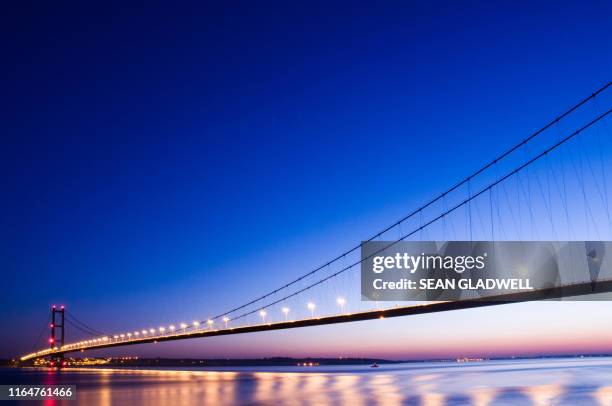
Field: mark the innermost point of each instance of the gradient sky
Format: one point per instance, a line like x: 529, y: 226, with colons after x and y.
x: 160, y: 164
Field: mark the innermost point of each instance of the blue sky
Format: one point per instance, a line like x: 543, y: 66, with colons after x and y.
x: 152, y: 156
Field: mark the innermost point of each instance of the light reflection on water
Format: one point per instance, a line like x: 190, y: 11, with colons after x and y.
x: 522, y: 382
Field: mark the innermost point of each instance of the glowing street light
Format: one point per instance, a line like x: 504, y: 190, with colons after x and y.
x: 196, y: 324
x: 311, y: 307
x: 171, y: 327
x: 226, y: 320
x: 152, y: 331
x: 136, y: 333
x: 341, y: 301
x: 129, y: 335
x: 263, y: 315
x: 210, y: 323
x: 183, y: 326
x: 161, y: 330
x: 286, y: 311
x: 144, y: 332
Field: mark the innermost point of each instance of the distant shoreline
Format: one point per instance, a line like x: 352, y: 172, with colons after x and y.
x: 279, y: 361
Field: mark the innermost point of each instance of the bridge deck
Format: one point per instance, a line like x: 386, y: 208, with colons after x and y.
x: 572, y: 290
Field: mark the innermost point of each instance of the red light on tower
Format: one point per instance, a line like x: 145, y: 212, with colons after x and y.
x: 62, y: 307
x: 51, y: 325
x: 51, y: 340
x: 54, y: 306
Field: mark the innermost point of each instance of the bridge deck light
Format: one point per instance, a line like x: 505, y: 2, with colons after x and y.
x: 311, y: 307
x: 341, y: 301
x: 162, y: 329
x: 152, y: 330
x: 263, y: 315
x: 226, y: 320
x: 171, y: 327
x: 183, y: 325
x: 286, y: 311
x: 144, y: 332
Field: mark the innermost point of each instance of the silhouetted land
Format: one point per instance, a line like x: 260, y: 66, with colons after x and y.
x: 276, y: 361
x: 272, y: 361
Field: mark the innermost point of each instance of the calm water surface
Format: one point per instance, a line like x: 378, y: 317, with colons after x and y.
x: 517, y: 382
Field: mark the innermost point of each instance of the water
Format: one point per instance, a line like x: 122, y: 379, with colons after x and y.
x: 515, y: 382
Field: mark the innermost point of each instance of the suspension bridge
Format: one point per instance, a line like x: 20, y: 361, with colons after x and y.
x: 552, y: 185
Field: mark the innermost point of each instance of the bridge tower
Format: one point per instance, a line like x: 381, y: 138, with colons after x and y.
x: 57, y: 326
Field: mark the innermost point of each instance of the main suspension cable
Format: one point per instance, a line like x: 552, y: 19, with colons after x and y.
x: 445, y: 213
x: 429, y: 203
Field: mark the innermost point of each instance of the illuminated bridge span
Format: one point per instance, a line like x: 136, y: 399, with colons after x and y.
x: 553, y: 185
